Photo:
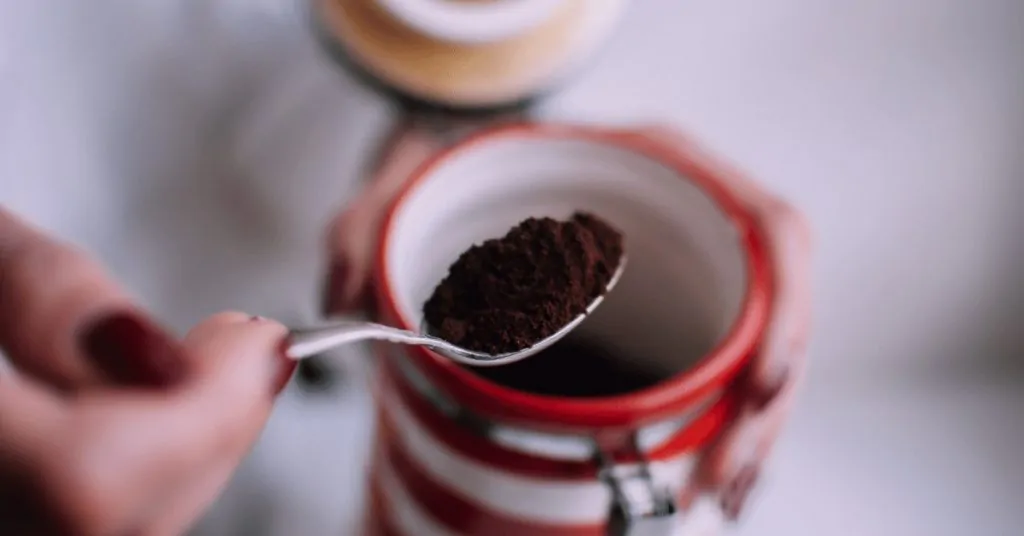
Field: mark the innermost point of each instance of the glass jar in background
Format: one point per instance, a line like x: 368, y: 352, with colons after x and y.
x: 465, y: 55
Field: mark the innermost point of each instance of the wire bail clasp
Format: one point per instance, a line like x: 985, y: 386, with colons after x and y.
x: 639, y: 506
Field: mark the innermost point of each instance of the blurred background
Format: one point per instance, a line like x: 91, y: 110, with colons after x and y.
x: 199, y: 148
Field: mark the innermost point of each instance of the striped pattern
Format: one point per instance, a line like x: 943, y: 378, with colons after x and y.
x: 429, y: 477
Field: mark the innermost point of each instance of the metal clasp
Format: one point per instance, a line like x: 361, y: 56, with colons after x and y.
x: 639, y: 506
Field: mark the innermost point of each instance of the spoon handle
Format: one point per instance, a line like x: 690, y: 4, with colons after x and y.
x: 306, y: 342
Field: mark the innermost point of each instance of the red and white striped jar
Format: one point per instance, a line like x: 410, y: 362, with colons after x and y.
x: 456, y: 454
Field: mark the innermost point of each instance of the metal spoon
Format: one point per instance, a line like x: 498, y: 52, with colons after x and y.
x: 306, y: 342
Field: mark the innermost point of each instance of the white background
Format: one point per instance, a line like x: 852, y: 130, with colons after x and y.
x: 199, y: 148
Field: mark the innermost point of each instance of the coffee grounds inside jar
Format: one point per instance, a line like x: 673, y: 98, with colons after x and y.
x: 509, y: 293
x: 572, y: 367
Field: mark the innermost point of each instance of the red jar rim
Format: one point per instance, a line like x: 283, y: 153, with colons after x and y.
x: 670, y: 397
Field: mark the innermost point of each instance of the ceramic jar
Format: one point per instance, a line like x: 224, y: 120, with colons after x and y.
x: 457, y: 454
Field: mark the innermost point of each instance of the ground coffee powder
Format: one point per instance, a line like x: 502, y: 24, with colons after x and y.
x: 508, y: 293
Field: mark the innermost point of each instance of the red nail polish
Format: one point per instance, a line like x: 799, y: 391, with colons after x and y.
x: 287, y: 367
x: 763, y: 395
x: 131, y: 350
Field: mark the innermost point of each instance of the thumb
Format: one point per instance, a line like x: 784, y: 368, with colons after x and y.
x: 240, y: 368
x: 238, y: 351
x: 136, y: 456
x: 229, y: 344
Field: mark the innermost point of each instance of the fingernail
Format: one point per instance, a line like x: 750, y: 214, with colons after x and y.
x: 762, y: 394
x: 287, y: 367
x: 131, y: 350
x: 334, y: 288
x: 735, y: 495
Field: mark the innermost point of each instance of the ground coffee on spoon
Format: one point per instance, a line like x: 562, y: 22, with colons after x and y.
x: 508, y: 293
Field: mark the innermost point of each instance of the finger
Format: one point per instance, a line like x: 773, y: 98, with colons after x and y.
x: 131, y: 453
x: 789, y: 247
x: 737, y: 447
x: 210, y: 344
x: 352, y: 237
x: 29, y: 420
x: 29, y: 416
x: 734, y: 497
x: 243, y: 367
x: 185, y: 509
x: 50, y: 293
x: 186, y: 505
x: 788, y: 238
x: 733, y: 464
x: 350, y: 259
x: 774, y: 416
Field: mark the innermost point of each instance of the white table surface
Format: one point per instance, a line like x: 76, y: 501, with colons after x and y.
x: 199, y: 148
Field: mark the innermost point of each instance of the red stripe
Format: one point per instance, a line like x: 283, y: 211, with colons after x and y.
x: 702, y: 430
x: 379, y: 521
x: 473, y: 446
x: 458, y: 438
x: 458, y: 513
x: 449, y: 508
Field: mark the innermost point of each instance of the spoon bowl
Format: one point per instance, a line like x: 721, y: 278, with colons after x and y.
x: 306, y: 342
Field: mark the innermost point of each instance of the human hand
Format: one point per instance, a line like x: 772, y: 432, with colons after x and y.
x: 732, y: 466
x: 109, y: 425
x: 730, y: 469
x: 352, y: 236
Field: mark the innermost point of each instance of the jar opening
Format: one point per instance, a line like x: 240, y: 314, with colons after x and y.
x: 576, y: 367
x: 686, y: 314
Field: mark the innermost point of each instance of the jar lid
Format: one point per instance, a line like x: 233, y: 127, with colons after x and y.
x: 459, y: 75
